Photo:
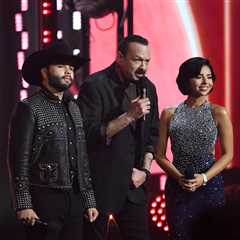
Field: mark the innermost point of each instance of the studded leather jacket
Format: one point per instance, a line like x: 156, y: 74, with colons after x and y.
x: 38, y: 149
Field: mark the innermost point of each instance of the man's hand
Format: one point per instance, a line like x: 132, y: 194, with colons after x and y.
x: 27, y: 216
x: 139, y: 107
x: 138, y: 177
x: 92, y: 214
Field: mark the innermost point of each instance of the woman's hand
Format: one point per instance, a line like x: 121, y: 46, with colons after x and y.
x: 191, y: 184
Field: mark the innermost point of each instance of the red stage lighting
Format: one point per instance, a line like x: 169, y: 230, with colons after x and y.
x: 46, y: 40
x: 47, y: 33
x: 158, y: 212
x: 46, y: 36
x: 46, y: 12
x: 48, y: 21
x: 47, y: 8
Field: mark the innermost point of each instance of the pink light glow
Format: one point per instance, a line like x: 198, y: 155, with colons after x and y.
x: 46, y: 12
x: 24, y: 5
x: 47, y: 4
x: 47, y: 33
x: 24, y: 40
x: 18, y: 22
x: 23, y: 94
x: 154, y: 218
x: 153, y: 211
x: 160, y: 211
x: 46, y: 40
x: 24, y: 84
x: 158, y: 199
x: 159, y: 224
x: 166, y: 228
x: 154, y: 204
x: 20, y: 59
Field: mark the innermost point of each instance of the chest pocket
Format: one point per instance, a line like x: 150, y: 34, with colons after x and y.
x: 54, y: 131
x: 48, y: 172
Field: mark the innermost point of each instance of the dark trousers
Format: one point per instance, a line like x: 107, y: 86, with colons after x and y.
x: 61, y: 210
x: 130, y: 223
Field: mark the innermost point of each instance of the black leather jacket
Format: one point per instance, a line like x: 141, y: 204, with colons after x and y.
x: 38, y: 149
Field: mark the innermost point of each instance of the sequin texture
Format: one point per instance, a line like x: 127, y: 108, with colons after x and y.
x: 193, y: 135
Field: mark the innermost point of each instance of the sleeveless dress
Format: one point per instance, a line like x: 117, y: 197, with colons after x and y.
x: 193, y: 135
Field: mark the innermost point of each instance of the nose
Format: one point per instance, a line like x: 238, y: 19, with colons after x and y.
x: 144, y: 65
x: 204, y: 79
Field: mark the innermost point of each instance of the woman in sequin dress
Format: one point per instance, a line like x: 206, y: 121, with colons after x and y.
x: 193, y: 128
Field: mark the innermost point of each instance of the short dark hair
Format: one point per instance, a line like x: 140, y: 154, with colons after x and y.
x: 190, y: 69
x: 123, y: 44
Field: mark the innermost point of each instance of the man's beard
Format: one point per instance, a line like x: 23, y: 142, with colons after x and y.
x: 55, y: 82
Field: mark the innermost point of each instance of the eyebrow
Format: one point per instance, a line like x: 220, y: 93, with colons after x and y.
x: 207, y: 74
x: 139, y: 57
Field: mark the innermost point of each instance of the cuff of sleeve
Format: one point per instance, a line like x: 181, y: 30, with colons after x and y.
x: 23, y: 200
x: 148, y: 173
x: 150, y: 149
x: 88, y: 199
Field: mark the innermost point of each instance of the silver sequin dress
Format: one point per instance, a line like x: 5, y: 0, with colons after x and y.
x: 193, y: 134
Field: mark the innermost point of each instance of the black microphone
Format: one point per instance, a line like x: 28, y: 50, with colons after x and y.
x: 143, y: 88
x: 189, y: 172
x: 40, y: 222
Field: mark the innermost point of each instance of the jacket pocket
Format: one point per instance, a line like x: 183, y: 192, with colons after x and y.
x: 48, y: 172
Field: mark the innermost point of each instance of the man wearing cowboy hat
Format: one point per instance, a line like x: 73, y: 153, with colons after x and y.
x: 48, y: 163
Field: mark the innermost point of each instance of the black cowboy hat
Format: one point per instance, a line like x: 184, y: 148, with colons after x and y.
x: 58, y: 52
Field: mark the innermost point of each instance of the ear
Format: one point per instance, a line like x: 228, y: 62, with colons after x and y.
x: 119, y: 57
x: 43, y: 72
x: 44, y: 76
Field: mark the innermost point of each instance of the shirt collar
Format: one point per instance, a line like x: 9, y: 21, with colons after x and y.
x: 66, y: 96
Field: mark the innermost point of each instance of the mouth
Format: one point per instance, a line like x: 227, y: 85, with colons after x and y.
x: 140, y: 75
x: 67, y: 79
x: 204, y: 88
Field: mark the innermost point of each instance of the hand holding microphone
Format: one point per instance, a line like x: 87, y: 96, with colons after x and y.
x: 41, y: 223
x: 187, y: 181
x: 189, y: 175
x: 139, y: 107
x: 189, y: 172
x: 191, y: 180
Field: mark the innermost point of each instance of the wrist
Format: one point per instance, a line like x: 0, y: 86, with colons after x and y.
x: 130, y: 117
x: 179, y: 179
x: 205, y: 179
x: 149, y: 156
x: 147, y: 172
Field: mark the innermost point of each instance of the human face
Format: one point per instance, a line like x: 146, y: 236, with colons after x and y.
x: 59, y: 77
x: 202, y: 84
x: 134, y: 64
